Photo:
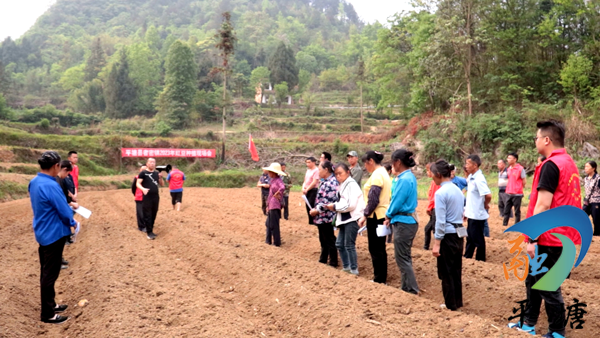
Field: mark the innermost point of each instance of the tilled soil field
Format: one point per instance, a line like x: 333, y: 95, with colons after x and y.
x: 209, y: 274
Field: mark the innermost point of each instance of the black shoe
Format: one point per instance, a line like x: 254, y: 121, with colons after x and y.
x: 60, y: 308
x: 57, y: 319
x: 151, y: 235
x: 64, y: 262
x: 142, y: 229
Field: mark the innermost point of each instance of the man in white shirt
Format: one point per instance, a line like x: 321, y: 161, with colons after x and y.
x: 479, y: 197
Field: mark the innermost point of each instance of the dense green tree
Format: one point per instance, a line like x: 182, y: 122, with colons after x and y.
x: 120, y: 94
x: 89, y: 98
x: 4, y: 79
x: 153, y: 39
x: 283, y: 66
x: 145, y: 71
x: 260, y: 77
x: 4, y: 111
x: 72, y: 78
x: 95, y: 62
x: 175, y: 101
x: 575, y: 77
x: 281, y: 93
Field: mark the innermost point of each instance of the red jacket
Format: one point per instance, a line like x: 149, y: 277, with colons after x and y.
x: 568, y: 192
x: 515, y: 182
x: 75, y: 175
x: 139, y: 195
x: 431, y: 195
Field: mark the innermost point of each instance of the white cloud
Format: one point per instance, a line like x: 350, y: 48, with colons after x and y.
x: 16, y: 17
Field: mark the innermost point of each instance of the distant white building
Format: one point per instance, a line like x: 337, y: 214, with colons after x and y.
x: 268, y: 94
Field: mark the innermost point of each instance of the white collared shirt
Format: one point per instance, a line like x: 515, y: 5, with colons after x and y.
x: 477, y: 188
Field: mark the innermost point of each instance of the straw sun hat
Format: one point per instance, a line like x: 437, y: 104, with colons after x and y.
x: 276, y: 168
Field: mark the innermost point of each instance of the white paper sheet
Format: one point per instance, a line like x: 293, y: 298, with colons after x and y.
x: 86, y: 213
x: 307, y: 202
x: 383, y: 230
x: 361, y: 230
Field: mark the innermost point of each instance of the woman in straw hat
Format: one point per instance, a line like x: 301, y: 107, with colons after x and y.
x: 274, y: 203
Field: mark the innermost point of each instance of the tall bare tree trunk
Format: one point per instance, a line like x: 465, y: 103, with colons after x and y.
x: 361, y: 110
x: 224, y: 110
x: 469, y: 57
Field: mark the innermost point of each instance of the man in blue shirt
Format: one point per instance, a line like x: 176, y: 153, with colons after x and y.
x: 52, y: 222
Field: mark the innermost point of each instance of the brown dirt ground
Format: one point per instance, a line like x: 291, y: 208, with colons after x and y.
x: 209, y: 274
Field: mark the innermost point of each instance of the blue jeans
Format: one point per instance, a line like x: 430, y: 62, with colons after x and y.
x: 486, y: 229
x: 346, y: 244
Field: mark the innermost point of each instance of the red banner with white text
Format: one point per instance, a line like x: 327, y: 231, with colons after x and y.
x: 167, y: 152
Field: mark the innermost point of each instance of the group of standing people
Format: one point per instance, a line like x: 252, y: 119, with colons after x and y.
x: 335, y: 199
x: 145, y: 189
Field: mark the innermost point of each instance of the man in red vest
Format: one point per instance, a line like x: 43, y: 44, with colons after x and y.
x: 555, y: 183
x: 176, y: 178
x: 514, y: 189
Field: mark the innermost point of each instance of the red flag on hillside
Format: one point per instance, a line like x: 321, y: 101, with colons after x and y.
x: 252, y: 149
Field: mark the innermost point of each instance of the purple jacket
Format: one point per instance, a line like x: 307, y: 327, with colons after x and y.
x: 276, y: 186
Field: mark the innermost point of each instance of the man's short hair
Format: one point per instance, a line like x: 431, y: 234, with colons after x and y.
x: 66, y: 164
x: 475, y: 159
x: 312, y: 159
x: 327, y: 156
x: 514, y: 155
x: 555, y: 130
x: 48, y: 159
x: 71, y: 153
x: 502, y: 160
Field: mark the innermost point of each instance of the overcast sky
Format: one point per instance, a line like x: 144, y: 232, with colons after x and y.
x: 16, y: 17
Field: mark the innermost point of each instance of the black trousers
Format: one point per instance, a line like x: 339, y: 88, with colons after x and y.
x: 502, y: 197
x: 286, y: 207
x: 272, y: 224
x: 555, y: 305
x: 595, y: 212
x: 328, y: 248
x: 150, y: 209
x: 311, y: 196
x: 512, y: 201
x: 449, y: 266
x: 263, y: 202
x: 475, y: 239
x: 139, y: 211
x: 377, y: 250
x: 50, y: 262
x: 429, y: 228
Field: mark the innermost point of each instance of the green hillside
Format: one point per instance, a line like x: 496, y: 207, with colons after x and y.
x: 76, y: 41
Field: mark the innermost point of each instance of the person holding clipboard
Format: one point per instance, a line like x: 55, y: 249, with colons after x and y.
x: 377, y: 192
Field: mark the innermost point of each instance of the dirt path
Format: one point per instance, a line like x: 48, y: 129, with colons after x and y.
x: 209, y: 274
